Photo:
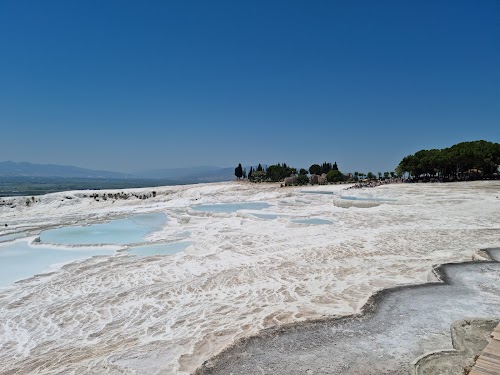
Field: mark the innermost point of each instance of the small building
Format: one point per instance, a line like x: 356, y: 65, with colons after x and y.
x: 318, y: 180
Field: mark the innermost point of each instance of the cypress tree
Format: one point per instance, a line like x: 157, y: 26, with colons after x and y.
x: 238, y: 171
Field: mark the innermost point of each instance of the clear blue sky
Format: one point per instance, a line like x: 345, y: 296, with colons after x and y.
x: 127, y: 85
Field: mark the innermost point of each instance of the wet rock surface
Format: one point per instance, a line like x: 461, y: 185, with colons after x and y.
x: 469, y: 338
x: 398, y: 326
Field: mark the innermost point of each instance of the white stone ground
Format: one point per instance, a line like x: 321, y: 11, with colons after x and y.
x: 166, y: 315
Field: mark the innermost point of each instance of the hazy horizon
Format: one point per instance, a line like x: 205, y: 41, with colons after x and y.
x: 123, y: 86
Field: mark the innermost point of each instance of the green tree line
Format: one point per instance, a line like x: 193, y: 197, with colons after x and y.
x: 278, y: 172
x: 466, y: 160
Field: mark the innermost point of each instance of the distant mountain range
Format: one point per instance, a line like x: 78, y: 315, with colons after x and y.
x: 202, y: 174
x: 178, y: 175
x: 23, y: 169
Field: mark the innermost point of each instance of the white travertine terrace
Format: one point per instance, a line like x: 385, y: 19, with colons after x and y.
x: 168, y: 314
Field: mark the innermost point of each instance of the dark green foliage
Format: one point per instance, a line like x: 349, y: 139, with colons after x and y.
x: 326, y: 167
x: 279, y: 172
x: 250, y: 173
x: 302, y: 179
x: 238, y: 171
x: 370, y: 176
x: 258, y: 176
x: 303, y: 171
x: 315, y: 169
x: 464, y: 160
x: 259, y: 168
x: 334, y: 176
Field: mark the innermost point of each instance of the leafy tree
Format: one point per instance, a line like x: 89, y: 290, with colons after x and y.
x: 302, y: 179
x: 259, y: 176
x: 370, y: 176
x: 279, y: 172
x: 334, y: 176
x: 326, y: 167
x: 303, y: 171
x: 244, y: 173
x: 392, y: 174
x: 386, y: 174
x: 379, y: 175
x: 466, y: 160
x: 238, y: 171
x: 315, y: 169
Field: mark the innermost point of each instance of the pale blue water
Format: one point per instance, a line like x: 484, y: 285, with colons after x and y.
x: 349, y: 197
x: 159, y: 249
x: 371, y: 199
x: 267, y: 216
x: 13, y: 236
x: 313, y: 221
x: 19, y: 260
x: 231, y: 207
x: 120, y: 231
x: 317, y: 192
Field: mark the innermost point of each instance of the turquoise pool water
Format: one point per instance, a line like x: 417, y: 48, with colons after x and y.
x: 231, y: 207
x: 312, y: 221
x: 371, y: 199
x: 317, y: 192
x: 159, y: 249
x: 120, y: 231
x: 19, y: 260
x: 267, y: 216
x: 13, y: 236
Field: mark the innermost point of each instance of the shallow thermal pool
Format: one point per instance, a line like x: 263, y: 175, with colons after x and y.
x: 312, y: 221
x: 324, y: 192
x: 159, y: 249
x: 371, y: 199
x: 20, y: 260
x: 231, y: 207
x: 12, y: 236
x: 267, y: 216
x: 133, y: 229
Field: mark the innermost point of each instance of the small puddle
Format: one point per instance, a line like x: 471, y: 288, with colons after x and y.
x: 231, y: 207
x: 267, y: 216
x: 12, y: 236
x: 313, y: 221
x: 159, y: 249
x: 324, y: 192
x: 369, y: 199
